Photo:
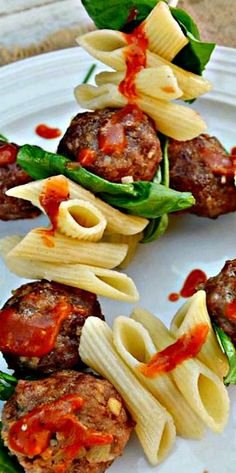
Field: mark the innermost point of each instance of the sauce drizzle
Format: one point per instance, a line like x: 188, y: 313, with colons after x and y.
x: 8, y: 153
x: 187, y: 346
x: 55, y: 191
x: 190, y: 286
x: 31, y: 434
x: 47, y: 132
x: 135, y: 58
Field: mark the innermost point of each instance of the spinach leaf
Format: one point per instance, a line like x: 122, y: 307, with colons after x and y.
x: 126, y: 14
x: 116, y: 14
x: 146, y: 199
x: 89, y: 74
x: 8, y: 464
x: 7, y: 385
x: 3, y: 138
x: 229, y: 349
x: 196, y: 54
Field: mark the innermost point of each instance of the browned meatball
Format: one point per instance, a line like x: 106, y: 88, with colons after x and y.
x: 114, y: 143
x: 200, y: 166
x: 49, y: 401
x: 221, y: 299
x: 12, y: 175
x: 37, y: 308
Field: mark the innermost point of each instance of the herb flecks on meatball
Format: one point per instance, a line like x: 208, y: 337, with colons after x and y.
x: 66, y: 423
x: 41, y: 325
x: 202, y: 166
x: 114, y: 144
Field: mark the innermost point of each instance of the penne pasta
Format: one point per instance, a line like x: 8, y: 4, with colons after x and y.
x: 40, y: 245
x: 130, y: 240
x: 102, y: 281
x: 135, y: 347
x: 201, y: 387
x: 80, y: 219
x: 154, y: 426
x: 95, y: 42
x: 177, y: 121
x: 164, y: 34
x: 155, y: 82
x: 191, y: 313
x: 117, y: 222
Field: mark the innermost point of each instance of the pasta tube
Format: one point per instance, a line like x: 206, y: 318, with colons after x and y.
x: 156, y: 82
x: 130, y: 240
x: 154, y: 426
x: 193, y: 312
x: 81, y: 219
x: 39, y: 245
x: 110, y: 46
x: 177, y: 121
x: 164, y: 34
x: 202, y: 389
x: 135, y: 346
x: 117, y: 222
x: 104, y: 282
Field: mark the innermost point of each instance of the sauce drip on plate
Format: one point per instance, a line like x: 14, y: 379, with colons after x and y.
x: 47, y: 132
x: 190, y: 286
x: 187, y: 346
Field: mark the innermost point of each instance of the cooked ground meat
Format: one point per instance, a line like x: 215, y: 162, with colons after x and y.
x: 34, y: 302
x: 114, y: 143
x: 221, y: 299
x: 102, y: 410
x: 12, y: 175
x: 193, y: 167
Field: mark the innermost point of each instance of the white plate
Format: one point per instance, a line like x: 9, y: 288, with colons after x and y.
x: 40, y: 90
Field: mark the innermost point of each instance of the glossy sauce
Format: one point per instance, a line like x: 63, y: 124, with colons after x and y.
x: 33, y: 335
x: 112, y: 136
x: 230, y: 311
x: 187, y: 346
x: 87, y: 157
x: 55, y: 191
x: 8, y: 154
x: 46, y: 132
x: 190, y: 286
x: 135, y: 59
x: 32, y: 433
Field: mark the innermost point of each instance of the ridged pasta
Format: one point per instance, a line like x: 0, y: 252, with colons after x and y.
x: 201, y: 387
x: 135, y: 347
x: 154, y: 426
x: 40, y: 245
x: 102, y: 281
x: 191, y: 313
x: 117, y: 222
x: 155, y: 82
x: 164, y: 34
x: 80, y: 219
x: 130, y: 240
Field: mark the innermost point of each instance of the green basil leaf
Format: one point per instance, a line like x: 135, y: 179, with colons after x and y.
x: 7, y: 385
x: 229, y: 349
x: 143, y: 198
x: 3, y: 138
x: 155, y: 228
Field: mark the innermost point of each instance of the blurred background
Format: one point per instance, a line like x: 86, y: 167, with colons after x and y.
x: 29, y: 27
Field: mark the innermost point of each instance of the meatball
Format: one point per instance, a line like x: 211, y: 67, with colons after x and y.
x: 55, y: 403
x: 199, y: 166
x: 43, y: 321
x: 12, y: 175
x: 114, y: 143
x: 221, y: 299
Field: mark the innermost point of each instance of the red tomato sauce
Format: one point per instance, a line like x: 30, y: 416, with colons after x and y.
x: 46, y: 132
x: 8, y: 153
x: 31, y: 434
x: 47, y: 236
x: 190, y: 286
x: 187, y: 346
x: 87, y: 157
x: 55, y: 191
x: 135, y: 58
x: 230, y: 311
x: 31, y: 336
